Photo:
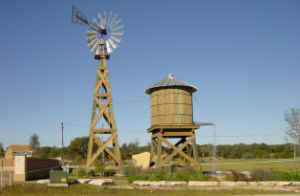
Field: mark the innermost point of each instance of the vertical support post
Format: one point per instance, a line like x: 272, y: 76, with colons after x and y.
x: 159, y: 148
x: 194, y: 146
x: 1, y: 178
x: 152, y: 149
x: 62, y: 143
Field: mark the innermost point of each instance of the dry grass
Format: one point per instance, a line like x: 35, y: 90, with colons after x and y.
x: 88, y: 190
x: 251, y: 164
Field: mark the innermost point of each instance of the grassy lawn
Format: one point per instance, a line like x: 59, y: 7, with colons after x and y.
x: 88, y: 190
x: 242, y: 165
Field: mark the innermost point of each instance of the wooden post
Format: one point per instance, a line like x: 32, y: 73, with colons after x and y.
x: 159, y: 148
x: 194, y: 146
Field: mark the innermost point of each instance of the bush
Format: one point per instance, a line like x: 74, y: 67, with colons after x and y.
x: 291, y: 176
x: 274, y: 175
x: 237, y: 176
x: 265, y: 175
x: 99, y: 167
x: 164, y: 174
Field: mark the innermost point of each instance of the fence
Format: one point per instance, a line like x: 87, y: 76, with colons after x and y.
x: 6, y: 177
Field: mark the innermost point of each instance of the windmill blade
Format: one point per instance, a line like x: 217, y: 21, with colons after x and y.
x: 94, y: 48
x: 108, y: 47
x: 91, y: 38
x: 116, y: 21
x: 103, y: 20
x: 113, y: 44
x: 109, y: 18
x: 92, y: 43
x: 116, y: 39
x: 119, y: 33
x: 117, y: 28
x: 96, y: 22
x: 113, y: 20
x: 92, y: 32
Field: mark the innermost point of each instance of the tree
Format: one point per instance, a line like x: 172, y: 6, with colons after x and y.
x: 1, y: 150
x: 292, y: 117
x: 34, y: 141
x: 79, y: 146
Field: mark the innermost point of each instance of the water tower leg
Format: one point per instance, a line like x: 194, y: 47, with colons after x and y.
x: 159, y: 148
x: 194, y: 146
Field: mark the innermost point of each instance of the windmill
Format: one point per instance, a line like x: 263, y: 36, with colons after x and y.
x: 104, y: 35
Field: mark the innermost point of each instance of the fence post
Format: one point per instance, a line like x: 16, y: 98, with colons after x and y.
x: 1, y: 172
x: 10, y: 178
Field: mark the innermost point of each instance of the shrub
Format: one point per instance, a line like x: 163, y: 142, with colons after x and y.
x: 164, y: 174
x: 99, y: 167
x: 237, y: 176
x: 291, y: 175
x: 265, y: 175
x: 82, y: 172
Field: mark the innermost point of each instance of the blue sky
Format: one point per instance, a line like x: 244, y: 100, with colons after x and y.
x: 242, y: 55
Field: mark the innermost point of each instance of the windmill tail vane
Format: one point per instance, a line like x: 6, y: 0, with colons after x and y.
x: 78, y: 17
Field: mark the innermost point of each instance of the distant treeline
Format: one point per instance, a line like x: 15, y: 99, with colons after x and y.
x: 77, y: 150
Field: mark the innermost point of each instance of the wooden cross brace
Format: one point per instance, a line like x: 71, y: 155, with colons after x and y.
x: 176, y: 149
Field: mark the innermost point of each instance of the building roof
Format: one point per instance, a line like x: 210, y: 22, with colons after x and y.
x: 170, y: 81
x: 19, y: 148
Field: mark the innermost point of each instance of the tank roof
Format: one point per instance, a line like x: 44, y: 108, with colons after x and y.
x: 170, y: 81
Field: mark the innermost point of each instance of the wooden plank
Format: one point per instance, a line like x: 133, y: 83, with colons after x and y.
x: 172, y: 134
x: 102, y: 131
x: 187, y: 127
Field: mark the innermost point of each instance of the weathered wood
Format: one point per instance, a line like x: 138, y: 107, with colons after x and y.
x: 102, y: 131
x: 171, y: 106
x: 173, y: 127
x: 159, y: 148
x: 179, y: 151
x: 102, y: 109
x: 195, y: 151
x: 180, y: 147
x: 166, y: 134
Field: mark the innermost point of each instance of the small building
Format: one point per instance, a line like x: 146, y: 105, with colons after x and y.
x: 15, y: 149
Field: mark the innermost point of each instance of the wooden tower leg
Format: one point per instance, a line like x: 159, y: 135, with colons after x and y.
x: 195, y: 150
x: 102, y: 110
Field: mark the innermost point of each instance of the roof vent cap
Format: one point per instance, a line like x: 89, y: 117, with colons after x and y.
x: 171, y: 76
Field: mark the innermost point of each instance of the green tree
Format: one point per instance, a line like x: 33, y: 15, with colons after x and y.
x: 34, y: 141
x: 292, y: 117
x: 79, y: 146
x: 1, y: 150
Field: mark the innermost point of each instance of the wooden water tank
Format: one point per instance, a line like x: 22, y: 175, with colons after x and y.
x: 171, y: 102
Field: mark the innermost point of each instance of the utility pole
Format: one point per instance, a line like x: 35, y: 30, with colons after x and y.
x: 62, y: 143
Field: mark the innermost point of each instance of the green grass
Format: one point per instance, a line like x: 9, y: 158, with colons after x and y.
x: 251, y: 164
x: 88, y: 190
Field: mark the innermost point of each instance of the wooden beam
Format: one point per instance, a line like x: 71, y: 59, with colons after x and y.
x: 178, y: 150
x: 177, y: 134
x: 101, y: 149
x: 102, y: 131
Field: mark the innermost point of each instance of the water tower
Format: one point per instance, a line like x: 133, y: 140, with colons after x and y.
x: 172, y: 118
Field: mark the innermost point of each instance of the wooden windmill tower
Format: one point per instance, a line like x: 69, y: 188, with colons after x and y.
x: 104, y: 36
x: 172, y: 118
